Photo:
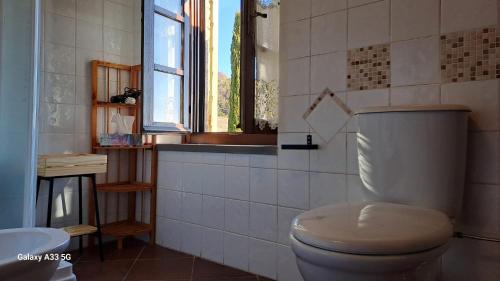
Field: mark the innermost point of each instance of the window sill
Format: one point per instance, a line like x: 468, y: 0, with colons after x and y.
x: 220, y: 148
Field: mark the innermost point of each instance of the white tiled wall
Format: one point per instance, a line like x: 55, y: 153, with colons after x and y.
x: 234, y: 209
x: 412, y: 28
x: 74, y: 33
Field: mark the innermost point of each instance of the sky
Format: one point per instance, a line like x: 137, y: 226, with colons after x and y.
x: 227, y: 10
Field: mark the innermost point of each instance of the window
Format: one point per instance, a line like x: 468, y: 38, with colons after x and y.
x: 211, y: 66
x: 166, y: 35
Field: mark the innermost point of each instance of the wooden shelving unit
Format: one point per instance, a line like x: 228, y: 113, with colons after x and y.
x: 109, y: 79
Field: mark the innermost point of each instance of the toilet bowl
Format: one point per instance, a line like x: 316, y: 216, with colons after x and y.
x: 370, y: 241
x: 412, y: 166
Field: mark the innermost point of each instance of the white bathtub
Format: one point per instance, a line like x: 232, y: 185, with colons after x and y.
x: 23, y: 253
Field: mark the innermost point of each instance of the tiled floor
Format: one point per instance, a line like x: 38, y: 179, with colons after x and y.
x: 141, y: 261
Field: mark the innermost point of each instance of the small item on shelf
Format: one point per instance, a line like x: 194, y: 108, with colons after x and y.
x: 124, y: 124
x: 128, y: 93
x: 130, y: 101
x: 120, y: 140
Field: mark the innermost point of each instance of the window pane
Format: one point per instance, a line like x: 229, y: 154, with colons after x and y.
x: 267, y: 64
x: 173, y: 6
x: 167, y: 98
x: 222, y: 65
x: 167, y: 42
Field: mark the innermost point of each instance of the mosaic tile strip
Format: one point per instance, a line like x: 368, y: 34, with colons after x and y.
x: 369, y: 68
x: 470, y: 55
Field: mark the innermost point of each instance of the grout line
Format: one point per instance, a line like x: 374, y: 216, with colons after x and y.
x: 192, y: 269
x: 135, y: 261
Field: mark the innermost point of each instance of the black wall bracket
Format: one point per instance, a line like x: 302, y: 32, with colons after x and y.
x: 308, y: 146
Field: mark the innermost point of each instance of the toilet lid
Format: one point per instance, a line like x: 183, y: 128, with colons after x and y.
x: 372, y: 228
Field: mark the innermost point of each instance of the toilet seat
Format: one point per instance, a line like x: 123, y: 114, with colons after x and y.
x: 372, y: 228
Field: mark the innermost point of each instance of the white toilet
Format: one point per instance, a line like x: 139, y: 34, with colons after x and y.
x: 412, y: 165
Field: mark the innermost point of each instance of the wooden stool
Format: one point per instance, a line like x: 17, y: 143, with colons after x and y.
x: 52, y: 167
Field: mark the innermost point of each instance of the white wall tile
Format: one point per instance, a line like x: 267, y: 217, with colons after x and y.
x: 263, y: 221
x: 213, y: 245
x: 59, y: 88
x: 469, y: 259
x: 89, y: 35
x: 481, y: 97
x: 360, y: 99
x: 61, y: 7
x: 481, y: 210
x: 213, y: 179
x: 192, y: 177
x: 117, y: 16
x: 59, y: 29
x: 327, y: 189
x: 415, y: 62
x: 287, y: 265
x: 352, y: 154
x: 263, y: 185
x: 319, y: 7
x: 236, y: 251
x: 459, y: 15
x: 292, y: 10
x: 169, y: 233
x: 292, y: 159
x: 170, y: 175
x: 83, y: 91
x: 263, y: 258
x: 483, y: 161
x: 412, y: 19
x: 291, y: 111
x: 60, y: 118
x: 59, y: 58
x: 422, y: 94
x: 329, y: 33
x: 242, y: 160
x: 169, y: 203
x: 83, y: 60
x: 368, y: 25
x: 264, y: 161
x: 191, y: 207
x: 294, y: 77
x: 329, y: 71
x: 355, y: 189
x: 295, y: 38
x: 117, y: 42
x: 213, y: 212
x: 90, y: 10
x: 330, y: 157
x: 55, y: 143
x: 285, y: 217
x: 191, y: 239
x: 237, y: 215
x: 237, y: 182
x: 82, y: 119
x: 214, y: 158
x: 293, y: 189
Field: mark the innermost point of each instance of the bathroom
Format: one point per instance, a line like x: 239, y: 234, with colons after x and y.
x: 225, y: 165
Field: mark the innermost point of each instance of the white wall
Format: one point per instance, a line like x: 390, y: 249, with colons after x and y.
x: 74, y: 33
x: 316, y: 36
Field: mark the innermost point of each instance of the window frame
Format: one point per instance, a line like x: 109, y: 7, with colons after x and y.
x: 194, y: 82
x: 150, y: 9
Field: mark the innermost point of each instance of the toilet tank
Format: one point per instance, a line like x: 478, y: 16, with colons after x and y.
x: 413, y: 155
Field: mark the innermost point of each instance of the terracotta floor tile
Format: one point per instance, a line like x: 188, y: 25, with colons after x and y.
x: 131, y: 250
x: 105, y: 271
x: 155, y: 269
x: 208, y: 269
x: 139, y: 261
x: 156, y: 252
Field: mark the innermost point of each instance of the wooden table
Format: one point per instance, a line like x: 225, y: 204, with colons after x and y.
x: 55, y: 166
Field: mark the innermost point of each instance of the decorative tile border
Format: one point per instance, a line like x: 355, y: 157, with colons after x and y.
x: 369, y: 68
x: 470, y: 55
